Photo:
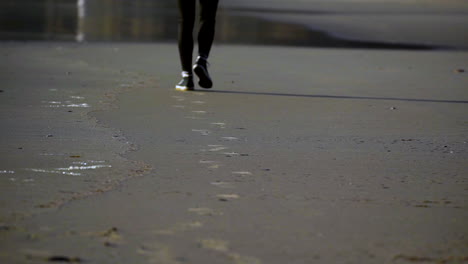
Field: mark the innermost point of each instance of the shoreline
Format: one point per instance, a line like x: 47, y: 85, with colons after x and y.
x: 388, y: 24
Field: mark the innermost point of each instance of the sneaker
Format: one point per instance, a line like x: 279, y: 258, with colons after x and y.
x: 186, y: 84
x: 201, y: 69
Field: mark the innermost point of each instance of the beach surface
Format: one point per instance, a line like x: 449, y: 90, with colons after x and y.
x: 297, y: 155
x: 323, y: 156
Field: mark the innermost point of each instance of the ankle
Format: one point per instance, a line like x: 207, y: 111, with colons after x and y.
x: 186, y: 74
x: 202, y: 57
x: 201, y: 60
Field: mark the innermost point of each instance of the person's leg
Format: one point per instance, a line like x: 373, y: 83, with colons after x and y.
x: 208, y: 9
x: 186, y: 24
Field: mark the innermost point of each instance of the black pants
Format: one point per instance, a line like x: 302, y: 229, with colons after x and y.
x: 187, y: 11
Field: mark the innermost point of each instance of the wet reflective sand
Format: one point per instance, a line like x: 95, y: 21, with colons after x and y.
x: 139, y: 20
x: 319, y: 156
x: 156, y: 20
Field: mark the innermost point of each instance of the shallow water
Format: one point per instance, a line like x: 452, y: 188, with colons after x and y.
x: 153, y: 20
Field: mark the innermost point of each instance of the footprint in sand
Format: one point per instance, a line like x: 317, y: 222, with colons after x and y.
x: 207, y: 161
x: 200, y: 112
x: 212, y: 164
x: 225, y: 185
x: 203, y: 132
x: 227, y: 197
x: 215, y: 148
x: 214, y: 244
x: 179, y: 98
x: 229, y: 138
x: 231, y: 154
x: 243, y: 173
x: 203, y: 211
x: 194, y: 117
x: 179, y: 227
x: 239, y: 259
x: 222, y: 246
x: 219, y: 125
x: 158, y: 253
x: 42, y: 256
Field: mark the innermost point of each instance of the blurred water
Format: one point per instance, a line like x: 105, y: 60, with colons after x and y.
x: 152, y: 20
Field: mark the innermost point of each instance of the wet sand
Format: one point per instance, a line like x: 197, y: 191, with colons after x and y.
x: 297, y: 155
x: 53, y: 150
x: 415, y: 24
x: 314, y: 156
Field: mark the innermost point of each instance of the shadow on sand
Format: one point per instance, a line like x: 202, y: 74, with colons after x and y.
x: 342, y: 97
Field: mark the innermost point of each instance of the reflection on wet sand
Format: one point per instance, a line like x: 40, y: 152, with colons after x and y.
x: 137, y: 20
x: 150, y: 20
x: 37, y: 20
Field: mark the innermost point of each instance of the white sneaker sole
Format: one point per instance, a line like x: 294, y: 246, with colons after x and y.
x: 183, y: 88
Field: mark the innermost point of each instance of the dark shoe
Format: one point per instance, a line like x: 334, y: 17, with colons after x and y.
x: 201, y: 70
x: 186, y: 84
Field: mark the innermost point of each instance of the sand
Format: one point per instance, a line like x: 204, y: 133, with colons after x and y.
x: 323, y: 156
x: 297, y: 155
x: 48, y: 137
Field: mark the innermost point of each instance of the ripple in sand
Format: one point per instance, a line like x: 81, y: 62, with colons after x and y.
x: 55, y: 172
x: 70, y: 170
x: 89, y: 162
x: 91, y: 167
x: 56, y: 104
